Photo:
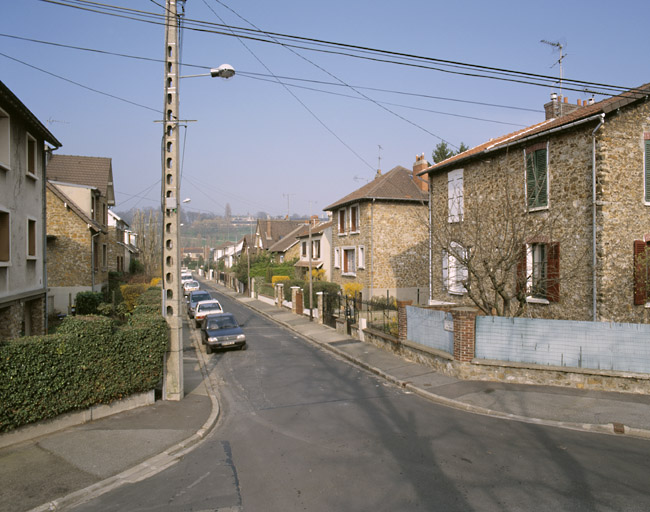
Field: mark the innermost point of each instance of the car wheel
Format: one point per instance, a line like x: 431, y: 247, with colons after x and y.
x: 244, y: 347
x: 196, y: 323
x: 208, y: 349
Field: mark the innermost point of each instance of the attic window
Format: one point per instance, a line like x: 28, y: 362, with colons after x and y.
x: 31, y: 156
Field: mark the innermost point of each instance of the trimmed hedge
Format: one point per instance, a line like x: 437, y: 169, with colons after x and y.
x: 88, y: 361
x: 86, y: 302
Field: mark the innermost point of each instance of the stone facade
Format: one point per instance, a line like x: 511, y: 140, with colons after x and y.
x: 71, y: 236
x: 393, y: 236
x: 621, y: 214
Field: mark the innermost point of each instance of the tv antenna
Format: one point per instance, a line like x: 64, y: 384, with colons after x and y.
x: 379, y: 148
x: 560, y: 47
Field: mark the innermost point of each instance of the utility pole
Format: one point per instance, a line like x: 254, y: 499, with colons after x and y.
x: 171, y: 278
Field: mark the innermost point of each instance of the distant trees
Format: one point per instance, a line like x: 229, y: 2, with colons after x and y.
x: 148, y: 226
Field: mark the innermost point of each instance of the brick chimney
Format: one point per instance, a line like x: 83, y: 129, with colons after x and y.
x: 420, y: 165
x: 559, y: 106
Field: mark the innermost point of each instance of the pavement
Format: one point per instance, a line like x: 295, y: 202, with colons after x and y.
x: 62, y: 469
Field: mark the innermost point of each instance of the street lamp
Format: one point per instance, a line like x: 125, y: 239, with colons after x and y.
x: 224, y: 71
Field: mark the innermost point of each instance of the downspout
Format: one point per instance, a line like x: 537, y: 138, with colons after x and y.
x: 372, y: 246
x: 594, y: 258
x: 430, y: 240
x: 92, y: 259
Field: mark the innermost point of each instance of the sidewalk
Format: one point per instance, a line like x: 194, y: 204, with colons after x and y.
x: 70, y: 466
x: 67, y: 467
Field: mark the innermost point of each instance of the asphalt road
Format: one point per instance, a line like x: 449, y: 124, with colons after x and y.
x: 302, y: 430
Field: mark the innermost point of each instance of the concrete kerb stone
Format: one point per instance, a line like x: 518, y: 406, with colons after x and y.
x: 607, y: 428
x: 153, y: 465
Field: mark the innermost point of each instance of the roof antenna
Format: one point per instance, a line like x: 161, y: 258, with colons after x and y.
x: 379, y: 157
x: 560, y: 46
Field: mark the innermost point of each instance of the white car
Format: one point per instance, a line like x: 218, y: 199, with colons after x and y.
x: 190, y: 286
x: 205, y: 308
x: 186, y: 276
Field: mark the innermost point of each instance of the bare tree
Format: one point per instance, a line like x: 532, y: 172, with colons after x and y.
x: 497, y: 253
x: 148, y: 228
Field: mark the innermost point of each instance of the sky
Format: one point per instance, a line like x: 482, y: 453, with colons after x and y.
x: 263, y: 147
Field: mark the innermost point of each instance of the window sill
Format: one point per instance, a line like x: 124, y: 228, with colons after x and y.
x: 349, y: 274
x: 456, y: 292
x: 647, y: 305
x: 4, y: 167
x: 5, y: 263
x: 355, y: 232
x: 31, y: 258
x: 537, y: 300
x: 31, y: 176
x: 343, y: 234
x: 538, y: 209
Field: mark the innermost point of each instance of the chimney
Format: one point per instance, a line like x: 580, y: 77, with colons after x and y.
x: 420, y: 165
x: 378, y: 173
x: 551, y: 110
x: 559, y: 107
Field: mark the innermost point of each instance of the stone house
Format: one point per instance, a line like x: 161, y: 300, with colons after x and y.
x: 79, y: 193
x: 565, y: 203
x: 287, y: 248
x: 23, y: 274
x: 379, y: 235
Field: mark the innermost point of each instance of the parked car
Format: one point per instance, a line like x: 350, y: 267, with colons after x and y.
x: 194, y: 298
x: 205, y: 308
x: 190, y: 286
x: 222, y: 331
x: 186, y: 275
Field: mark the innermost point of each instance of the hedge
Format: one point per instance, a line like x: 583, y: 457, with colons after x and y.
x: 88, y: 361
x: 86, y: 302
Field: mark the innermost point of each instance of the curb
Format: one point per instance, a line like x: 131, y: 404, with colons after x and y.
x: 153, y: 465
x: 602, y: 428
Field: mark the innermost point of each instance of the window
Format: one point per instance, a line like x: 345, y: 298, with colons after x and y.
x: 349, y: 261
x: 31, y: 156
x: 542, y: 271
x: 31, y: 238
x: 354, y: 219
x: 641, y: 272
x: 537, y: 176
x: 337, y: 258
x: 342, y: 229
x: 5, y: 140
x: 646, y: 167
x: 454, y: 272
x: 362, y: 257
x: 303, y: 249
x: 455, y: 195
x: 104, y: 255
x: 5, y: 238
x: 95, y: 255
x: 315, y: 249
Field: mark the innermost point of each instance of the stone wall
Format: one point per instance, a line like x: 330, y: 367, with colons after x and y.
x: 395, y: 239
x: 622, y: 216
x: 24, y: 317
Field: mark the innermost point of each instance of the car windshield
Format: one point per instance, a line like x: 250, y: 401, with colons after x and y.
x: 209, y: 307
x: 198, y: 297
x: 226, y: 322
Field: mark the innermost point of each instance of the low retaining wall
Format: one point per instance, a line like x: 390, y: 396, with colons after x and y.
x: 516, y: 373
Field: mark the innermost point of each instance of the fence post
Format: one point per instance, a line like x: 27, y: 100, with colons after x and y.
x: 464, y: 333
x: 321, y: 307
x: 296, y: 300
x: 401, y: 319
x: 279, y: 294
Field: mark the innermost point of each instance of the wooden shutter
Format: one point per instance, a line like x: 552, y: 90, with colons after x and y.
x: 553, y: 273
x: 521, y: 270
x: 536, y: 177
x: 640, y: 272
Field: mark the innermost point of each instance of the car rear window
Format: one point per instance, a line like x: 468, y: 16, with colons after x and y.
x: 209, y: 307
x: 226, y: 322
x: 197, y: 297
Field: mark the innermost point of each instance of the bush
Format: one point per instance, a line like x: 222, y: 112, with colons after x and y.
x: 291, y: 283
x: 136, y: 267
x: 87, y: 302
x: 279, y: 279
x: 131, y: 292
x: 351, y: 290
x: 88, y: 361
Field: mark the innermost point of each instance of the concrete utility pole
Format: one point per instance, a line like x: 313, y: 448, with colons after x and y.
x: 171, y: 278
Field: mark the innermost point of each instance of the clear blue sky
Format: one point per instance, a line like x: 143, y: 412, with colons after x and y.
x: 253, y: 144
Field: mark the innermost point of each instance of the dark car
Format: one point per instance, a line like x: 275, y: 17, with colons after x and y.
x: 222, y: 331
x: 194, y: 298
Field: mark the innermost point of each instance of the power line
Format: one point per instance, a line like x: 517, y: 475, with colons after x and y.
x: 480, y: 71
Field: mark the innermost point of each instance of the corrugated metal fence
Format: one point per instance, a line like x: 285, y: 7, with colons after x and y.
x: 594, y: 345
x: 431, y: 328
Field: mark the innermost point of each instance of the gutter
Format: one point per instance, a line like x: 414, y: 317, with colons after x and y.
x: 594, y: 258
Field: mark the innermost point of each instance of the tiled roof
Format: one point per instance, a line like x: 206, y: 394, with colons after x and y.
x: 579, y: 115
x: 276, y: 230
x: 93, y: 171
x: 396, y: 185
x: 318, y: 229
x: 73, y: 206
x: 289, y: 240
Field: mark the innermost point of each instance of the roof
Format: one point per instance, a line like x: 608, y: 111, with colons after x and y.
x: 73, y: 206
x: 396, y: 185
x: 581, y: 115
x: 318, y: 229
x: 271, y: 231
x: 93, y: 171
x: 10, y: 99
x: 289, y: 240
